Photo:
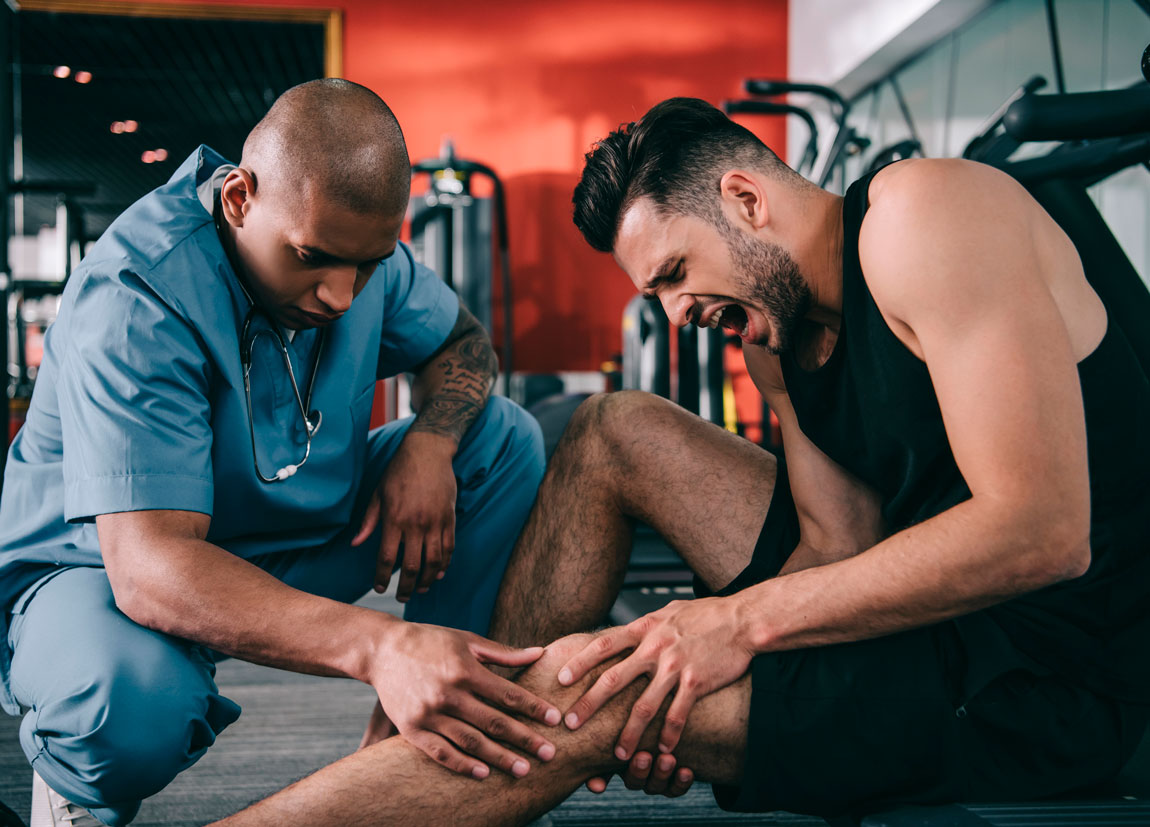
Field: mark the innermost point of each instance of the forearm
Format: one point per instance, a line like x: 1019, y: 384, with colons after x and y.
x: 195, y: 590
x: 964, y: 559
x: 806, y: 556
x: 451, y: 390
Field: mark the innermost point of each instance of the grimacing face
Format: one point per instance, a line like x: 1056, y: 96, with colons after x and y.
x: 711, y: 277
x: 307, y: 257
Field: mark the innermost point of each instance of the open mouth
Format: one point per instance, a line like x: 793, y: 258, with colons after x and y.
x: 730, y: 317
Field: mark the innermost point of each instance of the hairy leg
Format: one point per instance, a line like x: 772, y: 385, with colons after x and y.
x: 629, y: 456
x: 393, y: 783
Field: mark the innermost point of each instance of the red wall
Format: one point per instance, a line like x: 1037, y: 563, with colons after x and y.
x: 526, y: 87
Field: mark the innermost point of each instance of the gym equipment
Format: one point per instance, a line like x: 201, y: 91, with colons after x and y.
x: 697, y: 383
x: 899, y: 151
x: 646, y: 347
x: 20, y: 294
x: 847, y: 141
x: 6, y: 117
x: 990, y: 133
x: 755, y: 107
x: 451, y: 233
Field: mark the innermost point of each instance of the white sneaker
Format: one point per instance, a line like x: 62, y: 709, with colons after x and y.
x: 50, y: 809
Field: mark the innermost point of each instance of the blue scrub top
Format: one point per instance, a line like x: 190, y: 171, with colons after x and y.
x: 139, y: 403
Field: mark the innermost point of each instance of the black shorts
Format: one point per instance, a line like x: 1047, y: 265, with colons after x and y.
x: 919, y: 717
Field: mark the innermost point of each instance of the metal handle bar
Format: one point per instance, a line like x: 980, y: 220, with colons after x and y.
x: 769, y: 88
x: 1080, y: 116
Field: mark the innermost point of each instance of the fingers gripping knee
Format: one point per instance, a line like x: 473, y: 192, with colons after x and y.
x: 593, y: 744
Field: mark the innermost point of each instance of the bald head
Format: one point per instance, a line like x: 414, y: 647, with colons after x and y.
x: 332, y: 139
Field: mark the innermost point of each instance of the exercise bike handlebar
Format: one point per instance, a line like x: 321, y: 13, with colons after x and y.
x: 735, y: 107
x: 1079, y: 116
x: 769, y: 88
x: 987, y: 131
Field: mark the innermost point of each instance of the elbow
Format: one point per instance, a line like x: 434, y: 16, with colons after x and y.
x: 133, y: 603
x: 1063, y: 552
x: 1075, y: 560
x: 134, y: 600
x: 1071, y: 537
x: 1049, y: 539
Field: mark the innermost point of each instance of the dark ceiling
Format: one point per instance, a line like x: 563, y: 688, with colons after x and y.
x: 185, y: 82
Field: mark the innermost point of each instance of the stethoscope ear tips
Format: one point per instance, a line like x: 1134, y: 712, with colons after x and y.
x: 286, y: 471
x: 315, y: 417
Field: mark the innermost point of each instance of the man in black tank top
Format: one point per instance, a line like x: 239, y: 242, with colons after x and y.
x: 938, y: 592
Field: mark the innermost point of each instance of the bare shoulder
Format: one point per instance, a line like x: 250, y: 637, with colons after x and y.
x: 944, y: 219
x: 942, y: 197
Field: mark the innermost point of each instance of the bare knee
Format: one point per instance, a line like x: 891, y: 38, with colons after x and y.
x: 713, y: 741
x: 542, y: 677
x: 612, y: 420
x: 591, y: 746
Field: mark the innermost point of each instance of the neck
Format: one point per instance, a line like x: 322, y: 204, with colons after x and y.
x: 819, y: 255
x: 226, y: 233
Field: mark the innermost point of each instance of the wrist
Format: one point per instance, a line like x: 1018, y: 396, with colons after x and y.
x: 430, y: 443
x: 752, y: 627
x: 372, y: 645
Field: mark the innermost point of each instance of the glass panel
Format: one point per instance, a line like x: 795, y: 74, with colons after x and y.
x: 1124, y: 199
x: 863, y: 117
x: 997, y: 53
x: 1127, y: 33
x: 1081, y: 35
x: 925, y: 86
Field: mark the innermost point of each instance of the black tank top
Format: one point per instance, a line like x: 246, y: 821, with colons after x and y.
x: 871, y: 407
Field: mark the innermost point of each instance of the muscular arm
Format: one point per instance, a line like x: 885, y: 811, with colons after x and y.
x: 430, y: 680
x: 452, y: 386
x: 166, y: 576
x: 415, y: 499
x: 965, y: 289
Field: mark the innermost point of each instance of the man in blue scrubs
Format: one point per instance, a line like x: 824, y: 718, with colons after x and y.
x: 196, y: 478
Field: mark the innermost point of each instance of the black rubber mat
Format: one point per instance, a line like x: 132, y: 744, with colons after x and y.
x: 8, y: 817
x: 1111, y: 813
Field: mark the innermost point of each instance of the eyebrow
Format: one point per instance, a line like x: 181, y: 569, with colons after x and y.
x: 661, y: 272
x: 324, y: 255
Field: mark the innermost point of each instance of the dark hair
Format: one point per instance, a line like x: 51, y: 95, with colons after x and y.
x: 675, y: 155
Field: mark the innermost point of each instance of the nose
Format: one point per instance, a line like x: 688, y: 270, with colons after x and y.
x: 678, y: 308
x: 337, y: 288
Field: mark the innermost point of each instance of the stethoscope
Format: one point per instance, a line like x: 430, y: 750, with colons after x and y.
x: 311, y: 419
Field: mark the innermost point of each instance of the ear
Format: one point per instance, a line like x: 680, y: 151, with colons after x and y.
x: 236, y: 195
x: 743, y: 198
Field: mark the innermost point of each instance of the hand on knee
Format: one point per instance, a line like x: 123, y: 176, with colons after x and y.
x: 592, y: 744
x: 542, y: 676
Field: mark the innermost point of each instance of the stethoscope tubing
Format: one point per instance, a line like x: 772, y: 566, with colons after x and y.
x: 303, y: 405
x: 246, y: 346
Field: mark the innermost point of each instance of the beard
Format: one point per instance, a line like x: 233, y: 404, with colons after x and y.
x: 771, y: 279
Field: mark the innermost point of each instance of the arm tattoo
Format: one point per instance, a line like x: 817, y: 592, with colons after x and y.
x: 457, y: 380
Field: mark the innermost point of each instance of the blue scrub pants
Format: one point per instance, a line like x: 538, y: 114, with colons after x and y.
x: 116, y: 710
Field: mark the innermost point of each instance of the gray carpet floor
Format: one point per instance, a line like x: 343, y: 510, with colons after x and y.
x: 294, y: 724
